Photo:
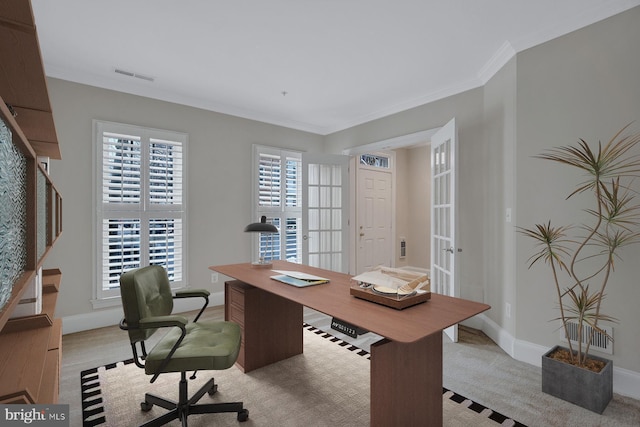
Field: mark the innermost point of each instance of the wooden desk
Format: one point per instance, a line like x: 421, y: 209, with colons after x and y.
x: 406, y: 366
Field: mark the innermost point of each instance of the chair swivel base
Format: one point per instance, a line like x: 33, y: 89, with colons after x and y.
x: 185, y: 407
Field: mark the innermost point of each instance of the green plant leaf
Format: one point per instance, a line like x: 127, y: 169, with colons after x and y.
x: 552, y: 242
x: 611, y: 161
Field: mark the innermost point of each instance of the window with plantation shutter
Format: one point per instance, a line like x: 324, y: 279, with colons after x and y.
x: 278, y: 196
x: 140, y: 211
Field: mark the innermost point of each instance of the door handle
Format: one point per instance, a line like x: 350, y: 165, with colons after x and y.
x: 361, y: 234
x: 450, y: 250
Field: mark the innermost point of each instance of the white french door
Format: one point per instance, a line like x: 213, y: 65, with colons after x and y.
x: 325, y: 211
x: 443, y: 214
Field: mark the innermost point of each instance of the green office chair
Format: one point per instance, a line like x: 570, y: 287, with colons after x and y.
x: 187, y: 346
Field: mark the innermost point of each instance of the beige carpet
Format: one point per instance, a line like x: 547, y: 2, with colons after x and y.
x: 328, y: 385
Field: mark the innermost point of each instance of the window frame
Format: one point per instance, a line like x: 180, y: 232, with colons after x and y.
x: 282, y: 212
x: 145, y: 210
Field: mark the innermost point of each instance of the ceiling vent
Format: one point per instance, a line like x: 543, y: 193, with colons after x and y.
x: 132, y: 74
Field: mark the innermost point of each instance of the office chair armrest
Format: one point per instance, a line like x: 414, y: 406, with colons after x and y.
x: 163, y: 322
x: 190, y: 293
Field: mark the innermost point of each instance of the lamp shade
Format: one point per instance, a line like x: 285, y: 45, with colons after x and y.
x: 261, y: 227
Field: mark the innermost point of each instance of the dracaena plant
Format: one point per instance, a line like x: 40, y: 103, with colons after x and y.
x: 582, y: 257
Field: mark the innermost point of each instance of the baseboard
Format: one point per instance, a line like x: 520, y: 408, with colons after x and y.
x: 110, y: 317
x: 529, y: 352
x: 625, y: 382
x: 497, y: 334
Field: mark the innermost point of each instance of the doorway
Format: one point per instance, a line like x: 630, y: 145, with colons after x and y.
x: 438, y: 216
x: 409, y: 166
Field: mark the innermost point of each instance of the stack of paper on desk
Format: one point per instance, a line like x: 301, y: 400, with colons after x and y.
x: 298, y: 278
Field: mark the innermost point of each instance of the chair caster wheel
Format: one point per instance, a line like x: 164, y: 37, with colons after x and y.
x: 243, y: 415
x: 146, y: 407
x: 213, y: 390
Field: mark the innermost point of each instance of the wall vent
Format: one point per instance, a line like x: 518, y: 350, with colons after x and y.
x: 600, y: 341
x: 132, y: 74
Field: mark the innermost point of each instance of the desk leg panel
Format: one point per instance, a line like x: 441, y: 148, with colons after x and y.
x: 406, y: 382
x: 271, y: 325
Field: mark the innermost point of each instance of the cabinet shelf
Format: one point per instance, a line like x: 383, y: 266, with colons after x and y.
x: 30, y: 356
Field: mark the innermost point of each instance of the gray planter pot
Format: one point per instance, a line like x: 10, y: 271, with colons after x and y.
x: 582, y: 387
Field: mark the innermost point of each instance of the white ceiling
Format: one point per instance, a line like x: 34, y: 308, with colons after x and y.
x: 314, y: 65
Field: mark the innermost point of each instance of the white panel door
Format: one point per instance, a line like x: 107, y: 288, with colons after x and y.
x: 373, y: 228
x: 325, y: 211
x: 443, y: 215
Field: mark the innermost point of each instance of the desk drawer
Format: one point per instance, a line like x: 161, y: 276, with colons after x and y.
x: 236, y: 316
x: 236, y: 296
x: 234, y: 302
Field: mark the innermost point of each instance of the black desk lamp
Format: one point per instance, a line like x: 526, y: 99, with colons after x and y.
x: 262, y: 227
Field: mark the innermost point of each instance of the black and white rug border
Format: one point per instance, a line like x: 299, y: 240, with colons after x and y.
x: 93, y: 408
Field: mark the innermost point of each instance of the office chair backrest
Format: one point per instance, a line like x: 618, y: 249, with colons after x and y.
x: 145, y: 292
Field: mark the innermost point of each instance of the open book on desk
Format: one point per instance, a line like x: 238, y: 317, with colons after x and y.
x: 298, y: 278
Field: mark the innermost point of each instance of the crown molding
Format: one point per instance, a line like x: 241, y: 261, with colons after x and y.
x: 146, y: 89
x: 496, y: 62
x: 464, y: 86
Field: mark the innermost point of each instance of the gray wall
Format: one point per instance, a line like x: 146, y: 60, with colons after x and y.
x: 413, y: 205
x: 403, y: 207
x: 219, y: 175
x: 583, y: 85
x: 498, y: 195
x: 418, y: 232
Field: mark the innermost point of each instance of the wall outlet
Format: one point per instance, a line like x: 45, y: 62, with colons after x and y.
x: 507, y: 309
x: 214, y: 277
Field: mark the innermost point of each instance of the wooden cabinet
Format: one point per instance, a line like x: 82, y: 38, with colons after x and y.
x: 23, y: 84
x: 271, y: 325
x: 31, y: 345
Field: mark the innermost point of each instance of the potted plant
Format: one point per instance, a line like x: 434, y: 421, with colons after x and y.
x: 582, y: 260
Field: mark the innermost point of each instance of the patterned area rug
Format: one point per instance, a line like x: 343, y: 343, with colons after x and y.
x: 325, y: 386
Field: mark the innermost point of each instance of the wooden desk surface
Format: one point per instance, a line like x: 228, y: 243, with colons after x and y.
x: 333, y: 299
